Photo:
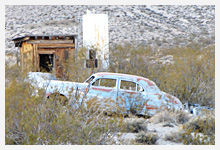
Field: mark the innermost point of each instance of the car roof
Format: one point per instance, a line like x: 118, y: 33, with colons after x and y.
x: 126, y: 76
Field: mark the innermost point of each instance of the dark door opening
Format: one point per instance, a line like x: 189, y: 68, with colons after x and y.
x: 46, y: 62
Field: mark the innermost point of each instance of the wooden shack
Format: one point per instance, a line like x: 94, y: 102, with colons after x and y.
x: 45, y: 53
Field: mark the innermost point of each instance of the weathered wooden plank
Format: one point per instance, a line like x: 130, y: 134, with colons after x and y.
x: 46, y: 51
x: 60, y: 54
x: 50, y: 41
x: 22, y: 60
x: 27, y: 47
x: 37, y: 58
x: 34, y: 57
x: 56, y: 45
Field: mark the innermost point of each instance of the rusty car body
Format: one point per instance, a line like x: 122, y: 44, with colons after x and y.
x: 128, y: 91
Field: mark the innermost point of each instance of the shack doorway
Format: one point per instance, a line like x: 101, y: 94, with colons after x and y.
x: 46, y: 62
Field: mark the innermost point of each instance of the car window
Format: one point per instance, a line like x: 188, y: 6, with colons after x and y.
x: 140, y: 88
x: 128, y: 85
x: 96, y: 83
x: 104, y: 82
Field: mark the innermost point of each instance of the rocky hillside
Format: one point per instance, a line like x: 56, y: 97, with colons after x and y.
x: 156, y: 25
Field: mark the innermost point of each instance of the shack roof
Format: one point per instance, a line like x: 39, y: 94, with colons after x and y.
x: 18, y: 40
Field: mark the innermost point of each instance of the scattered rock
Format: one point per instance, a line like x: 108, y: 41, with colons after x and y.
x: 178, y: 24
x: 168, y: 125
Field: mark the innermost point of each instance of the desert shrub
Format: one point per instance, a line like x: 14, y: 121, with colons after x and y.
x: 205, y: 125
x: 188, y: 74
x: 33, y: 119
x: 74, y: 69
x: 182, y: 117
x: 187, y: 138
x: 147, y: 138
x: 168, y: 116
x: 174, y: 137
x: 163, y: 116
x: 198, y: 131
x: 136, y: 125
x: 196, y: 138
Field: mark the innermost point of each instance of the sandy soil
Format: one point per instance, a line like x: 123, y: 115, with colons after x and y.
x: 162, y: 129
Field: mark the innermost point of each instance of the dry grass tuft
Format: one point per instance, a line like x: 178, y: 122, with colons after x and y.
x: 147, y: 138
x: 174, y: 136
x: 136, y: 125
x: 178, y: 117
x: 197, y: 131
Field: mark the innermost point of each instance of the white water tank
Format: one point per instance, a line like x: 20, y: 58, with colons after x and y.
x: 95, y: 36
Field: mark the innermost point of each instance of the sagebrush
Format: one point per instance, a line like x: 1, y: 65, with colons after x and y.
x: 187, y: 73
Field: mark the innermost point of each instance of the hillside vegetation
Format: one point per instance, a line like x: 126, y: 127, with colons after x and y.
x: 158, y: 26
x: 187, y: 73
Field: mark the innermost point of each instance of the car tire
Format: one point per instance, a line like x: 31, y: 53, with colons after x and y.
x: 61, y: 99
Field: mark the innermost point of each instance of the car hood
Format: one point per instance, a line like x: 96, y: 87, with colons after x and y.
x: 65, y: 87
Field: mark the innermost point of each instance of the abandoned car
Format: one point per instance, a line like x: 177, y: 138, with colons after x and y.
x: 128, y: 91
x: 196, y: 109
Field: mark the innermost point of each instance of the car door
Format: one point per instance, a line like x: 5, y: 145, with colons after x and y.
x: 104, y: 89
x: 130, y: 95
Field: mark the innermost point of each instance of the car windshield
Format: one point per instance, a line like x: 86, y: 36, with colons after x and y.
x: 90, y: 79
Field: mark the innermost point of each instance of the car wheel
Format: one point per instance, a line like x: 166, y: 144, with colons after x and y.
x: 61, y: 99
